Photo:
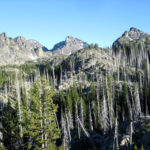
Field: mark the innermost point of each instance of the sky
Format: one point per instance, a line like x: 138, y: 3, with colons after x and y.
x: 93, y: 21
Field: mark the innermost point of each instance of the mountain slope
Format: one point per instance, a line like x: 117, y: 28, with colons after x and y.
x: 68, y: 46
x: 133, y: 34
x: 102, y: 97
x: 19, y: 50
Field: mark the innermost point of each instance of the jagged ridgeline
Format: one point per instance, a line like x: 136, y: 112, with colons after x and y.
x: 92, y: 99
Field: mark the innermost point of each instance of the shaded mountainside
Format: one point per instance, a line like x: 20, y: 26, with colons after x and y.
x: 103, y: 95
x: 87, y: 64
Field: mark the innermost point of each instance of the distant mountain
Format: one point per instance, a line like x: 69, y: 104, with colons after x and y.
x: 133, y: 34
x: 68, y: 46
x: 19, y: 50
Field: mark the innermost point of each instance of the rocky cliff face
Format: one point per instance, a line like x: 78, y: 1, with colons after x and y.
x: 68, y: 46
x: 19, y: 50
x: 86, y: 63
x: 133, y: 34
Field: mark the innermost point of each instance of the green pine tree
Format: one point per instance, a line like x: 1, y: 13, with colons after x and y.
x: 50, y: 131
x: 69, y: 101
x: 142, y: 148
x: 10, y: 128
x: 135, y: 147
x: 117, y: 147
x: 32, y: 120
x: 39, y: 125
x: 96, y: 46
x: 91, y: 46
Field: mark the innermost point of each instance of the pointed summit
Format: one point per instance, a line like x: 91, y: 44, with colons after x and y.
x: 20, y: 40
x: 19, y: 50
x: 3, y: 34
x: 134, y: 29
x: 68, y: 38
x: 69, y: 46
x: 71, y: 39
x: 133, y: 34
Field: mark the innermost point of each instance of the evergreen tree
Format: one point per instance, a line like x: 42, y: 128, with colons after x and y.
x: 62, y: 97
x: 96, y: 46
x: 25, y: 119
x: 93, y: 92
x: 32, y: 122
x: 39, y: 125
x: 91, y: 46
x: 124, y: 100
x: 50, y: 130
x: 135, y: 147
x: 117, y: 147
x: 142, y: 148
x: 10, y: 128
x: 69, y: 101
x: 125, y: 93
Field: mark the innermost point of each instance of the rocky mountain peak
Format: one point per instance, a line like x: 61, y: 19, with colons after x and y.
x: 132, y: 35
x: 68, y: 46
x: 133, y: 29
x: 3, y: 36
x: 19, y: 50
x: 34, y: 43
x: 20, y: 40
x: 70, y: 39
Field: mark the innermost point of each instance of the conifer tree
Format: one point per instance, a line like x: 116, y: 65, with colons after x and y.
x: 50, y: 130
x: 91, y: 46
x: 32, y: 122
x: 69, y: 101
x: 96, y: 46
x: 135, y: 147
x: 124, y: 100
x: 142, y: 148
x: 117, y: 147
x: 39, y: 124
x: 10, y: 128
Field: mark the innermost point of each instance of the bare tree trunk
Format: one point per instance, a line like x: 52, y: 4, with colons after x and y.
x: 19, y: 108
x: 53, y: 69
x: 90, y: 118
x: 115, y: 143
x: 68, y: 127
x: 60, y: 74
x: 81, y: 111
x: 65, y: 135
x: 98, y: 100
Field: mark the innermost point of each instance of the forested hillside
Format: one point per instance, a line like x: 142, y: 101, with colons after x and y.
x: 94, y: 99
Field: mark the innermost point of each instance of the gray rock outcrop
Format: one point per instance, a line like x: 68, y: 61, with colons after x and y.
x: 19, y: 50
x: 133, y: 34
x: 68, y: 46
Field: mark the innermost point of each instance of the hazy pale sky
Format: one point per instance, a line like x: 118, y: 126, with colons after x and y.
x: 94, y: 21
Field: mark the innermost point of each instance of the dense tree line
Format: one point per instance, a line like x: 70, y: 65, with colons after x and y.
x: 37, y: 128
